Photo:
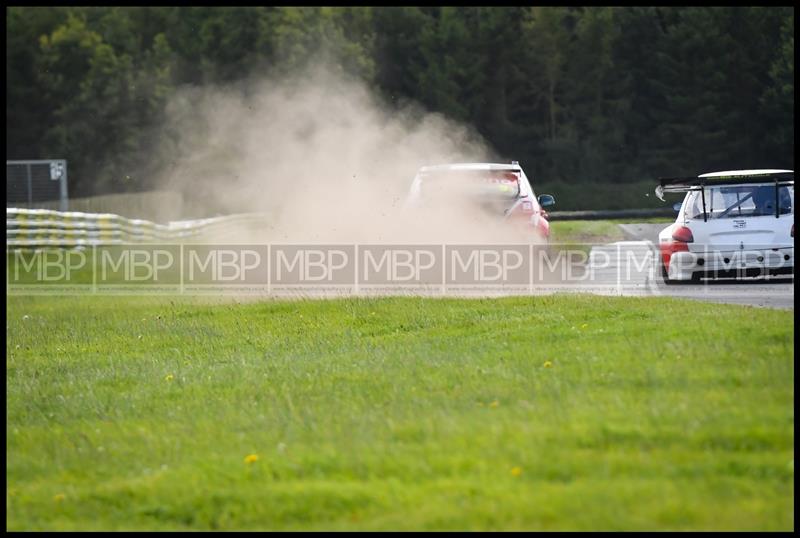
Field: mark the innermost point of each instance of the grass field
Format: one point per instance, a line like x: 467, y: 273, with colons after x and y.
x: 560, y: 412
x: 592, y: 232
x: 587, y: 232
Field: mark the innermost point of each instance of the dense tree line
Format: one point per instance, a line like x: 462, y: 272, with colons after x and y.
x: 576, y: 94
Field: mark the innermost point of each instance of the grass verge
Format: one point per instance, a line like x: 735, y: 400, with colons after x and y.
x: 586, y: 232
x: 563, y: 412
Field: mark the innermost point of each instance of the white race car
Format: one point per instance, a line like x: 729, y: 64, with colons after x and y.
x: 502, y: 190
x: 731, y: 224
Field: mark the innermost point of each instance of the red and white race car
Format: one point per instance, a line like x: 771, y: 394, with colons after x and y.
x: 731, y: 224
x: 503, y: 190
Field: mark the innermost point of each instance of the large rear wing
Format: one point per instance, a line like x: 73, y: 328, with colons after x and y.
x: 699, y: 183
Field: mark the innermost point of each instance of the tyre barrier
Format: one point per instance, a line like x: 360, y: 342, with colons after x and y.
x: 35, y: 228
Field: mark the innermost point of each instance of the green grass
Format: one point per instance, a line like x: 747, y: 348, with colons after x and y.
x: 585, y: 231
x: 583, y: 234
x: 401, y: 413
x: 653, y: 220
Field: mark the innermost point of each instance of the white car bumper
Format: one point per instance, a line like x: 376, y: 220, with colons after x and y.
x: 730, y: 264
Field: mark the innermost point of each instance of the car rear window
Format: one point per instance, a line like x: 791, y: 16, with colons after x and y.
x: 736, y: 201
x: 480, y: 183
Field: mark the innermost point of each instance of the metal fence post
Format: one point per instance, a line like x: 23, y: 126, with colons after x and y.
x: 30, y: 186
x: 64, y: 205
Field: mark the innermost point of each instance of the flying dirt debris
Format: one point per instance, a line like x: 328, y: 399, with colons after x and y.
x: 323, y: 157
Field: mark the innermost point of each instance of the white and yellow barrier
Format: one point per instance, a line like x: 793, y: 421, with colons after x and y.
x: 46, y: 227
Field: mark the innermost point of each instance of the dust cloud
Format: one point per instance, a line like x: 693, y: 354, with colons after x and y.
x: 322, y: 158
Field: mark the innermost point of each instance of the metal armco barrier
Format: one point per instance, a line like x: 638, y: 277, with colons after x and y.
x: 29, y: 228
x: 615, y: 214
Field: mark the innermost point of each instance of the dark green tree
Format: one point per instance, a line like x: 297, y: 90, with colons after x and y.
x: 577, y: 94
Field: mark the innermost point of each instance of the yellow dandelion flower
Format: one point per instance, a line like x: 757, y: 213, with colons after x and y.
x: 494, y: 404
x: 548, y: 364
x: 169, y: 377
x: 59, y: 497
x: 516, y: 471
x: 251, y: 458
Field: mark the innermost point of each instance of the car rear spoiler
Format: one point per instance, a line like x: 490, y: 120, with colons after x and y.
x: 698, y: 183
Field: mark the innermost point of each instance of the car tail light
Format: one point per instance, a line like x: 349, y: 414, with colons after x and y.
x: 681, y: 238
x: 683, y: 234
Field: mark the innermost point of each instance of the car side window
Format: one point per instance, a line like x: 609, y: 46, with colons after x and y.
x: 694, y: 209
x: 786, y: 199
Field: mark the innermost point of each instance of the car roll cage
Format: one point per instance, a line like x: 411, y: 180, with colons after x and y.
x: 697, y: 183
